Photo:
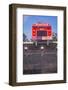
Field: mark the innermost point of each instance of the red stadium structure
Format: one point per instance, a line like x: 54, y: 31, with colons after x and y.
x: 41, y: 31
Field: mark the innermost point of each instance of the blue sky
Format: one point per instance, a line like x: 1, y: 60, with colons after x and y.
x: 32, y: 19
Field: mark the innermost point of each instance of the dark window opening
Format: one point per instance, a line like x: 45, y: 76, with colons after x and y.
x: 41, y: 33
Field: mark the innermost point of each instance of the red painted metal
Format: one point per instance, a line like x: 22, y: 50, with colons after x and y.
x: 41, y: 27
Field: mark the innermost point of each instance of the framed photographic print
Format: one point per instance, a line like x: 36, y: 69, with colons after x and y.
x: 37, y: 44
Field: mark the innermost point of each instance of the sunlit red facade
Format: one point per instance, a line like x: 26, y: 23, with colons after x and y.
x: 41, y: 32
